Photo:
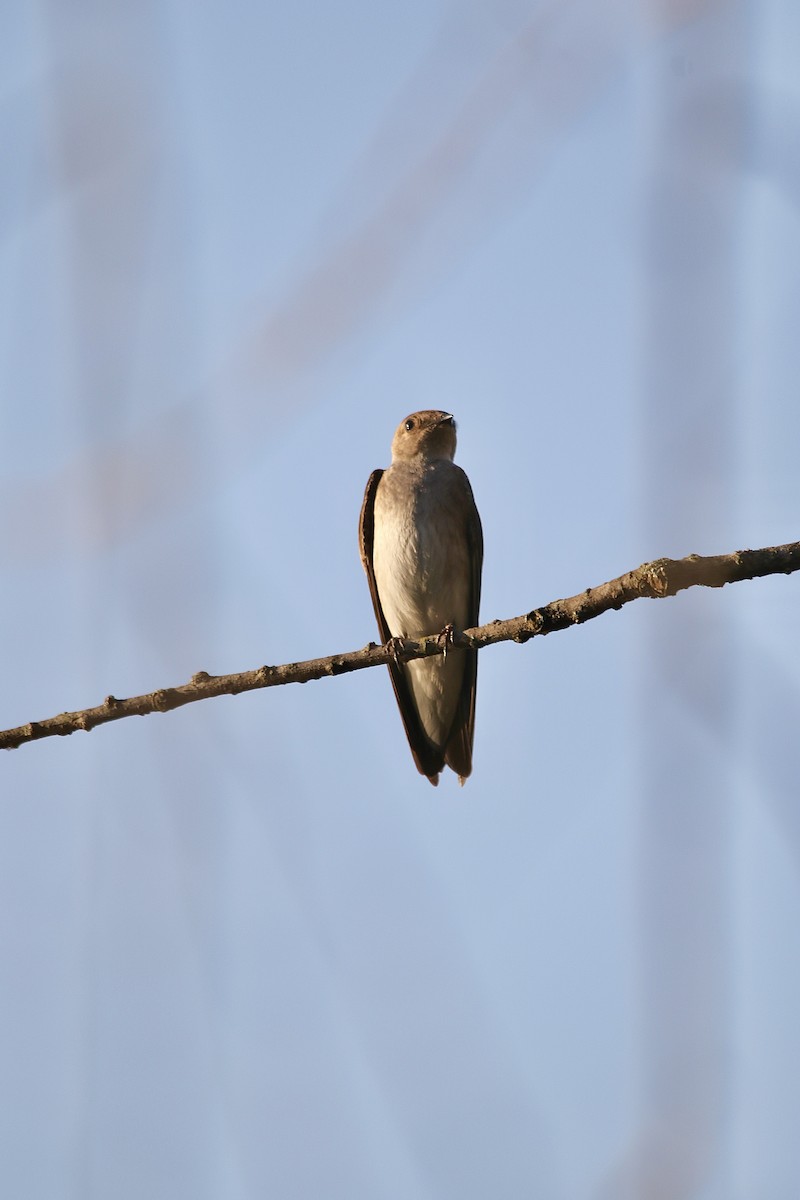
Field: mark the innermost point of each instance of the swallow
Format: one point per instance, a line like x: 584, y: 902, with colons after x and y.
x: 421, y: 546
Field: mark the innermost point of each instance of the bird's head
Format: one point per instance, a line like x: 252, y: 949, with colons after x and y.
x: 425, y: 436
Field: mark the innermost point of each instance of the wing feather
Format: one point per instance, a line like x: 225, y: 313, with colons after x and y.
x: 458, y: 752
x: 429, y: 761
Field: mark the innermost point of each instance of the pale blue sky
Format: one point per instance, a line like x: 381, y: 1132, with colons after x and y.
x: 247, y: 950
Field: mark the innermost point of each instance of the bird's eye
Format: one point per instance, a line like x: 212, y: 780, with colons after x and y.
x: 409, y: 425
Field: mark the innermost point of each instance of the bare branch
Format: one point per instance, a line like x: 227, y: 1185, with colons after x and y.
x: 654, y: 580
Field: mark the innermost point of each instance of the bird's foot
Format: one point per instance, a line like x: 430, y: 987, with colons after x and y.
x: 394, y: 646
x: 446, y: 638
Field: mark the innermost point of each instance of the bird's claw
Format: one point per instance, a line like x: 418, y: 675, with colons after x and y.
x: 446, y: 638
x: 394, y: 646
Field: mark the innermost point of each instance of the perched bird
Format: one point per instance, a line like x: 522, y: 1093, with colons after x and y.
x: 422, y: 549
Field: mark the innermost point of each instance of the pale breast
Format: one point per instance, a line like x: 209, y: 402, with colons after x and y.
x: 422, y: 572
x: 420, y: 555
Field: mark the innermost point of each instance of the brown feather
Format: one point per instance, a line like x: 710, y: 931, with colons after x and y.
x: 458, y: 752
x: 428, y: 760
